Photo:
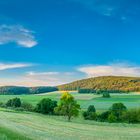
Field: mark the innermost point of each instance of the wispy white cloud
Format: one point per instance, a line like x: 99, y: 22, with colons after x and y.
x: 53, y: 78
x: 107, y: 8
x: 42, y: 73
x: 110, y: 69
x: 5, y: 66
x: 17, y: 34
x: 119, y: 9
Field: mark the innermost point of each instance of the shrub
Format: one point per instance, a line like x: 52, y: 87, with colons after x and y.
x: 9, y: 103
x: 15, y: 102
x: 117, y: 109
x: 91, y: 108
x: 2, y: 104
x: 106, y: 95
x: 46, y: 106
x: 98, y: 91
x: 90, y: 114
x: 103, y: 116
x: 112, y: 118
x: 131, y: 116
x: 27, y: 106
x: 85, y: 114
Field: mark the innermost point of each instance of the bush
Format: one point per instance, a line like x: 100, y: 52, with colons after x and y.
x: 16, y: 102
x: 27, y: 106
x: 103, y: 116
x: 9, y: 103
x: 46, y: 106
x: 117, y: 109
x: 106, y: 95
x: 90, y: 114
x: 91, y: 108
x: 98, y: 91
x: 2, y: 104
x: 131, y: 116
x: 112, y: 118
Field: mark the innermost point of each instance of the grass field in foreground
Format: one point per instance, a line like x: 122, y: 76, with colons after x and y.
x: 130, y: 100
x: 42, y: 127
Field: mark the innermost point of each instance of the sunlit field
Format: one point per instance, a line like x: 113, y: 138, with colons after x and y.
x: 131, y: 100
x: 16, y: 125
x: 33, y: 126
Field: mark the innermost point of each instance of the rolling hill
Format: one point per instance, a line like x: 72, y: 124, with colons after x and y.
x: 17, y: 90
x: 118, y: 83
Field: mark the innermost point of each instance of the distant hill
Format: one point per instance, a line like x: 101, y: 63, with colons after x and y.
x: 105, y: 83
x: 16, y: 90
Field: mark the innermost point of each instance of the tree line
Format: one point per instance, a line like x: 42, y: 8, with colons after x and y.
x: 68, y: 106
x: 15, y: 90
x: 98, y: 91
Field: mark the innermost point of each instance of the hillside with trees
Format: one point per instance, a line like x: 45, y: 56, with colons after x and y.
x: 110, y: 83
x: 16, y: 90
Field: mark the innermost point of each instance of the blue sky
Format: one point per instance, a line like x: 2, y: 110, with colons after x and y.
x: 50, y: 42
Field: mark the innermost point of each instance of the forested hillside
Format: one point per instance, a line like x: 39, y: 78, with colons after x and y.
x: 118, y: 83
x: 15, y: 90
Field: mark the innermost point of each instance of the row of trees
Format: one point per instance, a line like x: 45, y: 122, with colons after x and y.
x: 99, y: 91
x: 15, y: 90
x: 38, y: 90
x: 118, y: 112
x: 68, y: 107
x: 105, y: 93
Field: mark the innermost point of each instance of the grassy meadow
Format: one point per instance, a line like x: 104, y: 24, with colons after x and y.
x: 130, y: 100
x: 16, y: 125
x: 33, y: 126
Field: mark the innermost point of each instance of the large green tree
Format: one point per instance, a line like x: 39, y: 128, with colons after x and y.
x: 68, y: 106
x: 117, y: 109
x: 46, y: 106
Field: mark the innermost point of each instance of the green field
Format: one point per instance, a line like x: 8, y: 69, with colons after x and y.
x: 130, y: 100
x: 33, y: 126
x: 42, y: 127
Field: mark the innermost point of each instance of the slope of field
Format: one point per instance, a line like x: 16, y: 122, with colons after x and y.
x: 41, y: 127
x: 105, y: 82
x: 8, y: 134
x: 130, y: 100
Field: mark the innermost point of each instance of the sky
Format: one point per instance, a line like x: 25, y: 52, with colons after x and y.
x: 52, y: 42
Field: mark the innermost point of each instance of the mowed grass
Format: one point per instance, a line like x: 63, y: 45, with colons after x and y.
x: 130, y: 100
x: 33, y: 126
x: 42, y: 127
x: 7, y: 134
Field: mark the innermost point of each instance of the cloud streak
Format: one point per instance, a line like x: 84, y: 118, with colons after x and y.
x: 4, y: 66
x: 119, y: 9
x: 107, y: 8
x: 17, y: 34
x: 110, y: 70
